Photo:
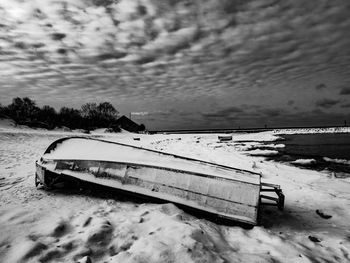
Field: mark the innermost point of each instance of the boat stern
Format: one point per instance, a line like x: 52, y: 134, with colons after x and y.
x: 43, y: 176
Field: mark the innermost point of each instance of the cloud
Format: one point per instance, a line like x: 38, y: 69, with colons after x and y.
x: 271, y: 112
x: 345, y: 91
x: 224, y: 113
x: 320, y: 86
x: 347, y: 105
x: 176, y: 54
x: 327, y: 103
x: 275, y: 117
x: 251, y: 115
x: 312, y: 118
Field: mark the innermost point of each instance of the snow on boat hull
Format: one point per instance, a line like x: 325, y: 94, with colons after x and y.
x: 220, y: 190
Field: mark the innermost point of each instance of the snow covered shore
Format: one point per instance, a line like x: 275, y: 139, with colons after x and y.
x: 71, y: 226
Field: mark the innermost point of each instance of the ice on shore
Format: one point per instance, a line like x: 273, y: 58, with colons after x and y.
x: 259, y: 152
x: 341, y: 161
x: 304, y: 161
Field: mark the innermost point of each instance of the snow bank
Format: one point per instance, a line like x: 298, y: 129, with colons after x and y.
x: 250, y: 146
x: 274, y: 146
x: 103, y: 131
x: 6, y: 123
x: 9, y: 126
x: 100, y: 130
x: 340, y: 161
x: 257, y: 137
x: 304, y: 161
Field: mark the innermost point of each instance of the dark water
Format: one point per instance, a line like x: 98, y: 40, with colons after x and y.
x: 336, y: 146
x: 330, y: 151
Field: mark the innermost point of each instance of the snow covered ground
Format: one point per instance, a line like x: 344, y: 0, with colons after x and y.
x: 71, y: 226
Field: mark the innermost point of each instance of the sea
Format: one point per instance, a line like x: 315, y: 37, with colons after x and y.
x: 325, y: 151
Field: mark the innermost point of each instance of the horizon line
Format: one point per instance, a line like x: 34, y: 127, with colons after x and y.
x: 246, y: 129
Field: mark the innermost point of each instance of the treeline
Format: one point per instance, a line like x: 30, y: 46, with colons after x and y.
x: 24, y: 111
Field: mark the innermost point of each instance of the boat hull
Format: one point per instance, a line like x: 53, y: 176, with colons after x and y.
x: 225, y: 197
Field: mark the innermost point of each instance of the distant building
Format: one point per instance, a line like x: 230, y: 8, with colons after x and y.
x: 127, y: 124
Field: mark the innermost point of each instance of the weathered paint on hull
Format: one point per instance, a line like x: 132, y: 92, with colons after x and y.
x: 225, y: 197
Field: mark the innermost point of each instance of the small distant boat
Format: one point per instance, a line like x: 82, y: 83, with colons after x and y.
x: 218, y: 190
x: 225, y: 138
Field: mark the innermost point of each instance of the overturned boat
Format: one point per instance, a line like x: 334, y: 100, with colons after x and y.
x: 219, y: 190
x: 225, y: 138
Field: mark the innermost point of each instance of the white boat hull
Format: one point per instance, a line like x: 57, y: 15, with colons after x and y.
x: 220, y: 190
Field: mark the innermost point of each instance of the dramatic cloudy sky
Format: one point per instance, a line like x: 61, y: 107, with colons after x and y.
x: 182, y: 64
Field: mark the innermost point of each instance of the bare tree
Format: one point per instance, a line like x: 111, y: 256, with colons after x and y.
x: 107, y: 110
x: 89, y: 110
